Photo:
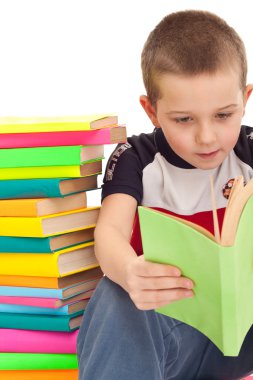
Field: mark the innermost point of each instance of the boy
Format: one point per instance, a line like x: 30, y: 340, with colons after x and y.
x: 194, y: 70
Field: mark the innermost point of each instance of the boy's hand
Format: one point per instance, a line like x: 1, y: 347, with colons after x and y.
x: 152, y: 285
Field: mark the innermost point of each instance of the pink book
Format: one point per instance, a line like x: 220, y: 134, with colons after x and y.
x: 90, y: 137
x: 44, y: 302
x: 12, y: 340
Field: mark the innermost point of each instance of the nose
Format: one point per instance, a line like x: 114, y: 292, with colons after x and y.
x: 206, y: 134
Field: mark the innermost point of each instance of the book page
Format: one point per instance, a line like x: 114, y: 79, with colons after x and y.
x: 197, y: 227
x: 215, y: 216
x: 237, y: 200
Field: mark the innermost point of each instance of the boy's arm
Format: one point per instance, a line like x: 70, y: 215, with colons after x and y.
x: 150, y: 285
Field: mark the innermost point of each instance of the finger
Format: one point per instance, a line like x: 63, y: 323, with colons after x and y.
x: 149, y: 269
x: 150, y: 299
x: 164, y: 282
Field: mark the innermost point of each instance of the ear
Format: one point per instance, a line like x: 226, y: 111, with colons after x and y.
x: 247, y: 93
x: 150, y: 110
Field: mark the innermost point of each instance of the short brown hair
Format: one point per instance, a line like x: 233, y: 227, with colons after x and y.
x: 190, y: 42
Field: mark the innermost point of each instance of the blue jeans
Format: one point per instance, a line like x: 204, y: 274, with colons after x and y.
x: 119, y: 342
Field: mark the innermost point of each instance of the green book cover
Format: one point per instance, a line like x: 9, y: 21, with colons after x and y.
x: 50, y: 156
x: 223, y: 275
x: 11, y: 361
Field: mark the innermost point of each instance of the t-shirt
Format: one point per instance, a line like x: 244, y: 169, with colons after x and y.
x: 146, y: 168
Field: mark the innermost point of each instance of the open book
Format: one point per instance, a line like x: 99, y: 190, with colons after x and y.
x: 221, y: 267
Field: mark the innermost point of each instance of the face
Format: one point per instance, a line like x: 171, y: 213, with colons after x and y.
x: 200, y: 115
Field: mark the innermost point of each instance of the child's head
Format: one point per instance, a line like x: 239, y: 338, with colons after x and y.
x: 194, y: 69
x: 189, y: 43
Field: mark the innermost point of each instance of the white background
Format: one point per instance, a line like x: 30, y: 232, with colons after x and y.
x: 63, y: 57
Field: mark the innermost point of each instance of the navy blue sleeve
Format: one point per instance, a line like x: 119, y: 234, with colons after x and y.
x: 244, y: 146
x: 124, y: 170
x: 123, y: 173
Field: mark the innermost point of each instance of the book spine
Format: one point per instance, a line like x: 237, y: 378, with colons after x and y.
x: 34, y: 207
x: 13, y: 340
x: 18, y: 207
x: 11, y: 244
x: 42, y: 172
x: 38, y: 264
x: 21, y: 226
x: 48, y: 374
x: 30, y: 188
x: 29, y: 264
x: 41, y: 156
x: 46, y: 127
x: 29, y: 281
x: 22, y: 291
x: 23, y: 309
x: 35, y: 322
x: 29, y: 301
x: 47, y: 139
x: 12, y: 361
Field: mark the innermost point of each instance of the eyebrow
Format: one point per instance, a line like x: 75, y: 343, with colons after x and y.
x: 233, y: 105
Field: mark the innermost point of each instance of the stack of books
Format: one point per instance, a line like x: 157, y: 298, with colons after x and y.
x: 48, y: 269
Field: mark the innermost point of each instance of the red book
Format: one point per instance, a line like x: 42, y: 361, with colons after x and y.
x: 112, y: 135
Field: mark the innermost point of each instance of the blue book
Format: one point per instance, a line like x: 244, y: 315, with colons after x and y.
x: 46, y: 188
x: 70, y: 309
x: 64, y: 293
x: 14, y: 244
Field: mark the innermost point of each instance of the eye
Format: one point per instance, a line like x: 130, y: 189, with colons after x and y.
x: 183, y: 120
x: 223, y: 115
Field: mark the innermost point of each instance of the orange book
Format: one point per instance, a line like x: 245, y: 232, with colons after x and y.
x: 50, y: 282
x: 70, y: 374
x: 42, y: 206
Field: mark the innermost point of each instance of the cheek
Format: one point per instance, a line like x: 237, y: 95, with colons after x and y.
x: 230, y: 135
x: 230, y: 141
x: 180, y: 143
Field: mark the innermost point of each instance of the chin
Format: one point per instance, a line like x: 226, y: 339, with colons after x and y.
x: 208, y: 166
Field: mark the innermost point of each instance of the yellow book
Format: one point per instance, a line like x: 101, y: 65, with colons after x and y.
x: 61, y: 263
x: 42, y: 206
x: 49, y: 224
x: 87, y: 169
x: 10, y: 124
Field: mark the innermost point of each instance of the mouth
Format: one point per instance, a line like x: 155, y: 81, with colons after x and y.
x: 209, y: 155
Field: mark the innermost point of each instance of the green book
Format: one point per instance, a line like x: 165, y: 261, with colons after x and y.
x: 11, y: 361
x: 50, y: 156
x: 222, y: 272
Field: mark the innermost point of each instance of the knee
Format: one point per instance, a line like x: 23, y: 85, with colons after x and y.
x: 105, y: 313
x: 108, y: 301
x: 108, y: 295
